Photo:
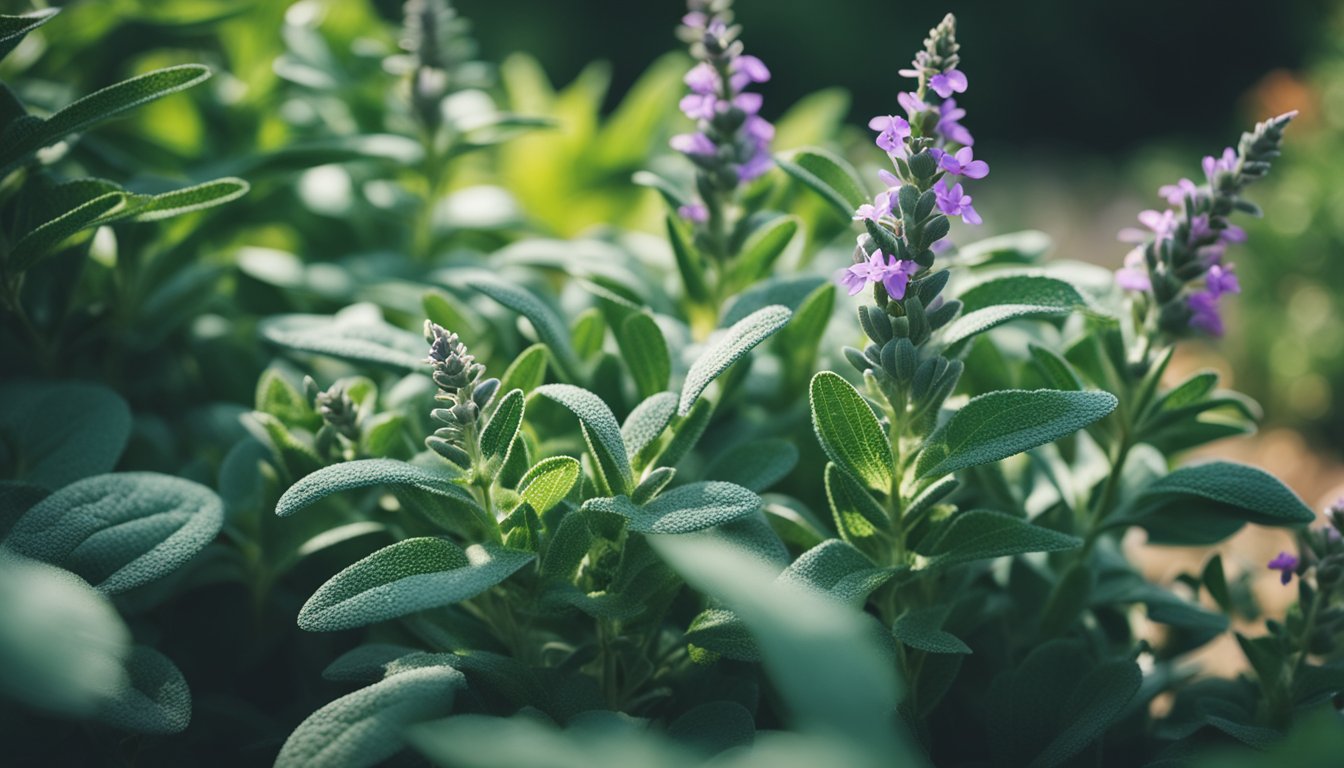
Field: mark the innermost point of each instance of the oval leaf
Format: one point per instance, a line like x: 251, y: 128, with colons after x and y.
x: 548, y: 482
x: 980, y: 534
x: 53, y: 448
x: 599, y: 429
x: 155, y: 698
x: 850, y: 432
x: 686, y: 509
x: 728, y: 349
x: 497, y: 438
x: 366, y: 473
x: 645, y: 353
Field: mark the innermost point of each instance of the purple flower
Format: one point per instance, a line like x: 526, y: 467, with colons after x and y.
x: 1286, y: 564
x: 952, y: 130
x: 747, y: 70
x: 1212, y: 165
x: 695, y: 20
x: 889, y: 179
x: 755, y: 166
x: 1175, y: 194
x: 1331, y: 534
x: 1134, y: 275
x: 759, y: 129
x: 1204, y: 312
x: 894, y: 275
x: 748, y: 102
x: 963, y: 163
x: 881, y: 206
x: 1221, y: 281
x: 953, y: 201
x: 911, y: 103
x: 699, y: 106
x: 892, y: 132
x: 947, y: 83
x: 1232, y: 234
x: 694, y: 212
x: 693, y: 144
x: 1161, y: 223
x: 702, y: 79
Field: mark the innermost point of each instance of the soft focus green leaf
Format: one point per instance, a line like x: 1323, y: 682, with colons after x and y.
x: 829, y: 176
x: 155, y: 698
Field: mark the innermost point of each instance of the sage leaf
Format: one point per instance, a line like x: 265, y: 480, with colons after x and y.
x: 735, y: 342
x: 982, y: 534
x: 550, y: 328
x: 828, y: 175
x: 644, y: 351
x: 684, y: 509
x: 600, y: 430
x: 849, y: 431
x: 497, y: 437
x: 153, y: 700
x: 548, y: 482
x: 366, y: 473
x: 52, y: 448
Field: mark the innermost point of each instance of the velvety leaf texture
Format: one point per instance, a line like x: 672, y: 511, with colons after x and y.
x: 922, y: 630
x: 120, y: 531
x: 648, y: 420
x: 497, y: 438
x: 365, y: 473
x: 735, y: 342
x: 365, y: 728
x: 155, y: 698
x: 406, y: 577
x: 13, y: 28
x: 548, y: 482
x: 527, y: 371
x: 53, y: 448
x: 1000, y: 424
x: 684, y: 509
x: 645, y: 353
x: 550, y: 328
x: 599, y: 428
x: 1226, y: 489
x: 849, y: 431
x: 756, y: 465
x: 829, y: 176
x: 361, y: 340
x: 981, y: 534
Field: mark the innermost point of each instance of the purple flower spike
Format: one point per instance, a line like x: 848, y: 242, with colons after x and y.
x: 898, y: 277
x: 1134, y: 275
x: 1286, y: 564
x: 894, y: 276
x: 953, y: 201
x: 694, y: 212
x: 1221, y: 280
x: 693, y: 144
x: 748, y: 70
x: 892, y: 132
x: 702, y: 79
x: 695, y: 20
x: 947, y: 83
x: 963, y: 163
x: 1204, y: 312
x: 699, y: 106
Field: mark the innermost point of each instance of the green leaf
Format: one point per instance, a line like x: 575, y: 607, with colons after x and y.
x: 647, y: 421
x: 828, y: 175
x: 981, y: 534
x: 1000, y: 424
x: 800, y: 339
x: 550, y: 328
x: 199, y: 197
x: 714, y: 727
x: 762, y: 249
x: 43, y: 240
x: 354, y: 334
x: 838, y: 570
x: 366, y: 727
x: 548, y: 482
x: 1215, y: 582
x: 788, y: 292
x: 155, y: 698
x: 730, y: 346
x: 120, y: 531
x: 600, y: 430
x: 922, y: 629
x: 644, y: 351
x: 1095, y: 705
x: 27, y: 135
x: 62, y: 642
x: 686, y: 434
x: 1057, y: 371
x: 860, y: 520
x: 690, y: 264
x: 14, y: 28
x: 1222, y: 494
x: 497, y: 438
x: 1190, y: 391
x: 973, y: 323
x: 1014, y: 248
x: 849, y: 431
x: 1030, y: 289
x: 684, y: 509
x: 527, y: 371
x: 755, y: 465
x: 51, y: 448
x: 588, y: 333
x: 411, y: 575
x: 366, y: 473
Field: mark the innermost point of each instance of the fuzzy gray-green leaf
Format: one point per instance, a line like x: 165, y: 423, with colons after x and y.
x: 409, y: 576
x: 548, y: 482
x: 1223, y: 490
x: 366, y: 473
x: 599, y: 428
x: 54, y: 449
x: 849, y: 431
x: 497, y: 438
x: 981, y: 534
x: 120, y: 531
x: 645, y: 353
x: 550, y: 328
x: 1000, y: 424
x: 155, y: 698
x: 829, y: 176
x: 684, y: 509
x: 756, y: 464
x: 735, y: 342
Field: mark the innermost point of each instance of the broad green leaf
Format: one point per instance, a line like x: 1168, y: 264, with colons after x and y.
x: 44, y: 239
x: 366, y: 727
x: 527, y: 371
x: 548, y: 482
x: 730, y: 346
x: 981, y: 534
x: 644, y: 351
x: 27, y: 135
x: 788, y: 292
x: 355, y: 334
x: 1096, y: 703
x: 588, y: 333
x: 600, y: 430
x: 972, y: 323
x: 762, y: 249
x: 14, y: 28
x: 1014, y: 248
x: 409, y: 576
x: 154, y: 699
x: 849, y: 431
x: 550, y: 328
x: 1222, y: 494
x: 648, y: 420
x: 1032, y: 289
x: 365, y: 473
x: 1000, y: 424
x: 685, y: 434
x: 365, y: 663
x: 120, y: 531
x: 800, y: 339
x: 46, y: 445
x: 1190, y: 391
x: 755, y: 465
x: 62, y: 643
x: 838, y: 570
x: 922, y: 629
x: 858, y: 517
x: 684, y: 509
x: 828, y: 175
x: 497, y: 438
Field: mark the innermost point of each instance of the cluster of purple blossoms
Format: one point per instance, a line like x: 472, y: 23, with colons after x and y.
x: 1187, y: 243
x: 731, y: 143
x: 927, y: 146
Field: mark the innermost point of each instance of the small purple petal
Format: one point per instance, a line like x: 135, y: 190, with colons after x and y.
x: 702, y: 79
x: 694, y: 212
x: 693, y: 144
x: 752, y: 68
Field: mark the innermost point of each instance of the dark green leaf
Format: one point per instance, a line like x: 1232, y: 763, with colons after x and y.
x: 599, y: 429
x: 730, y: 346
x: 850, y: 432
x: 981, y: 534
